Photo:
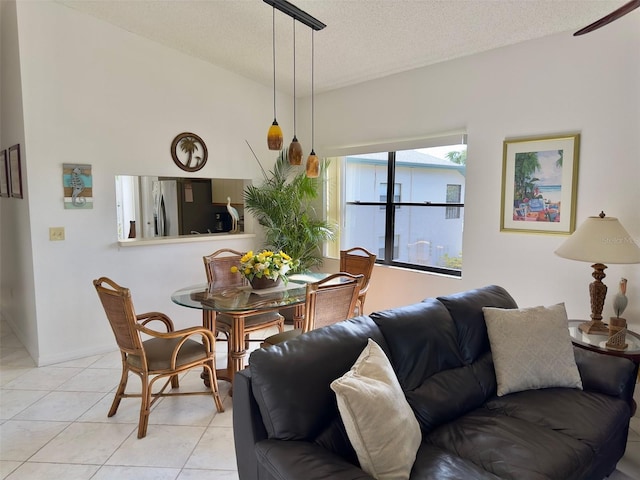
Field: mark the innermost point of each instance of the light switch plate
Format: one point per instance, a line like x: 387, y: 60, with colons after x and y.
x: 56, y: 233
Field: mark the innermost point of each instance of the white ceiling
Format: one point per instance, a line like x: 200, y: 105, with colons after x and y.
x: 363, y: 40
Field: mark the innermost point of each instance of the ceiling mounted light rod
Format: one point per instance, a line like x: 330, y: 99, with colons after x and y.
x: 274, y: 134
x: 313, y: 162
x: 297, y: 14
x: 295, y: 149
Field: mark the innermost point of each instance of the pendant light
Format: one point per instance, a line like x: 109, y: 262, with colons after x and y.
x: 313, y: 163
x: 274, y: 135
x: 295, y: 149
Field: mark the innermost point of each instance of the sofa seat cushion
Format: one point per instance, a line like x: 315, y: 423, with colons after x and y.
x: 592, y: 418
x: 445, y: 396
x: 512, y: 448
x: 433, y: 463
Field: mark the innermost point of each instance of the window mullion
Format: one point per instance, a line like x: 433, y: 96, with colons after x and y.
x: 390, y: 218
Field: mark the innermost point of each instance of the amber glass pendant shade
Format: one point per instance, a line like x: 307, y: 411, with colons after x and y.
x: 313, y: 165
x: 295, y: 152
x: 274, y: 136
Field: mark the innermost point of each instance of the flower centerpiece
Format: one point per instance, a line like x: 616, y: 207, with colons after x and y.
x: 265, y: 269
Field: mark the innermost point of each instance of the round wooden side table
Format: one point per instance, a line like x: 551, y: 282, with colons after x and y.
x: 598, y: 343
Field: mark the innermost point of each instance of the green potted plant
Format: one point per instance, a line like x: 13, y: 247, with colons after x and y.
x: 283, y: 206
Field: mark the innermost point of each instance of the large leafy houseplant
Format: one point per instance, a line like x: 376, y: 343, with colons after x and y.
x: 283, y: 205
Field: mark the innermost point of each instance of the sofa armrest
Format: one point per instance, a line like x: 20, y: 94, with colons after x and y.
x: 248, y: 428
x: 615, y: 376
x: 296, y: 460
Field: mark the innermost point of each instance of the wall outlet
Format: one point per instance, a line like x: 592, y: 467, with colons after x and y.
x: 56, y: 233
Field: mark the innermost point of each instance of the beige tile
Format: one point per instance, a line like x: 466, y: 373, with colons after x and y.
x: 108, y: 360
x: 164, y: 446
x: 128, y: 411
x: 8, y: 374
x: 630, y: 463
x: 108, y: 472
x: 60, y: 406
x: 20, y: 439
x: 80, y: 362
x: 13, y: 402
x: 214, y: 451
x: 43, y: 378
x: 89, y: 443
x: 16, y: 357
x: 93, y: 380
x: 6, y: 467
x: 193, y: 474
x: 197, y: 410
x: 47, y: 471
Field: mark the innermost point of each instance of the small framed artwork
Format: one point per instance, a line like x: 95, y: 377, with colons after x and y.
x: 15, y: 169
x: 4, y: 175
x: 77, y: 183
x: 539, y: 184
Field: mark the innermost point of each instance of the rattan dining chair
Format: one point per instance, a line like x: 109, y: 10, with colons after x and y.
x: 218, y: 269
x: 327, y: 301
x: 358, y: 260
x: 165, y: 354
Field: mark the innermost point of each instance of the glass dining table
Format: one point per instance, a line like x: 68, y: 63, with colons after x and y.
x: 240, y: 302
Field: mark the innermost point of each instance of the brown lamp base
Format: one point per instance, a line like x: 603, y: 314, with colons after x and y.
x: 594, y: 327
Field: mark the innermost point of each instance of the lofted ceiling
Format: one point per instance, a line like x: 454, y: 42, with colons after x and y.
x: 363, y: 40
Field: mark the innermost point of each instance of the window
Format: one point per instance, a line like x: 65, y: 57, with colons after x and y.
x: 428, y: 183
x: 453, y: 196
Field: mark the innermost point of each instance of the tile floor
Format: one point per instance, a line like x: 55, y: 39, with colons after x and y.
x: 53, y: 423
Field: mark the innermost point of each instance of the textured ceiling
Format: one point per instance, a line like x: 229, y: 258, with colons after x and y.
x: 363, y: 40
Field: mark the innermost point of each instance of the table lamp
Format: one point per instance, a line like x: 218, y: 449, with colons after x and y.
x: 599, y: 240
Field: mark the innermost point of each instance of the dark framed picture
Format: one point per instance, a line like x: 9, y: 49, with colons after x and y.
x: 539, y: 184
x: 4, y: 175
x: 15, y: 169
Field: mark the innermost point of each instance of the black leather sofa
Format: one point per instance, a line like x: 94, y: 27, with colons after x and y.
x: 287, y: 425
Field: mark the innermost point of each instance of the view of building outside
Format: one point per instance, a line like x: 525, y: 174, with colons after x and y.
x: 427, y: 234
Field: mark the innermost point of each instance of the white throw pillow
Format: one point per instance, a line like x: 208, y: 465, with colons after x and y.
x: 380, y: 423
x: 531, y: 348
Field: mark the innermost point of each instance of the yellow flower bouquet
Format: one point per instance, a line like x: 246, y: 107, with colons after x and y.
x: 265, y: 265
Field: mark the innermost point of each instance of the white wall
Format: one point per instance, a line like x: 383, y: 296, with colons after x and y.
x: 17, y: 292
x: 553, y: 85
x: 96, y: 94
x: 92, y: 93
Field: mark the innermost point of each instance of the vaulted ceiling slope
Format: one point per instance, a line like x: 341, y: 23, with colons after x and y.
x: 363, y: 40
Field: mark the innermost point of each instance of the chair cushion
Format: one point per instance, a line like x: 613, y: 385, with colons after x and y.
x: 159, y: 351
x: 281, y: 337
x: 379, y: 421
x: 531, y: 348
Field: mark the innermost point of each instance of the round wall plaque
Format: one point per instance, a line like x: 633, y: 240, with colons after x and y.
x: 189, y: 152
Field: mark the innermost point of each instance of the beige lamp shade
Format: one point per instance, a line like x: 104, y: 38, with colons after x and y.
x: 600, y: 239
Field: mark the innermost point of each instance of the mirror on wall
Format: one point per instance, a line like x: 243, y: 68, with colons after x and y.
x: 154, y: 207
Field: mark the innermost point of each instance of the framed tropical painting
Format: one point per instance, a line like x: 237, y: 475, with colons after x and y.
x: 539, y: 184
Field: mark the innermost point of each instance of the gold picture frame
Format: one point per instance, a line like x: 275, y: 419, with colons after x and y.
x: 539, y: 184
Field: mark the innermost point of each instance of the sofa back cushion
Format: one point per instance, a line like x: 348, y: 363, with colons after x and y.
x: 421, y: 339
x: 291, y: 380
x: 423, y: 348
x: 466, y: 310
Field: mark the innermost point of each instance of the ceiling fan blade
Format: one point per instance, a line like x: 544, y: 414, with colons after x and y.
x: 623, y: 10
